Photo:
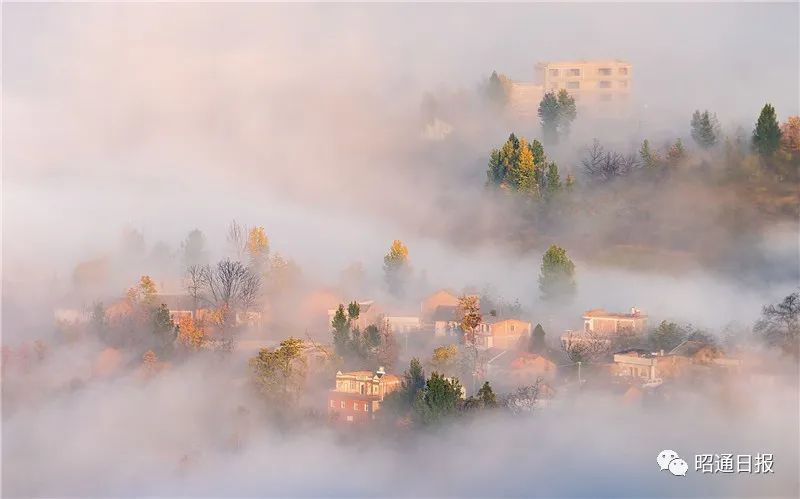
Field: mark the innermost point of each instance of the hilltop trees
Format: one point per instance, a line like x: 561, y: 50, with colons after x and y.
x: 228, y: 287
x: 375, y: 344
x: 767, y: 133
x: 280, y: 374
x: 439, y: 400
x: 556, y: 114
x: 496, y: 92
x: 705, y: 129
x: 522, y: 166
x: 604, y: 165
x: 667, y: 336
x: 193, y: 248
x: 258, y: 248
x: 779, y: 325
x: 557, y: 276
x: 396, y: 267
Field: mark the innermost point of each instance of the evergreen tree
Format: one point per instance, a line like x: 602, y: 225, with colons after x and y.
x: 537, y: 149
x: 667, y: 336
x: 438, y: 400
x: 552, y: 179
x: 647, y: 156
x: 486, y: 396
x: 767, y: 134
x: 566, y: 111
x: 496, y: 91
x: 557, y: 277
x: 341, y: 330
x: 549, y: 116
x: 705, y: 129
x: 537, y: 344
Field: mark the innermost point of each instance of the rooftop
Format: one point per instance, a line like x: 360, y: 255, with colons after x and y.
x: 603, y: 313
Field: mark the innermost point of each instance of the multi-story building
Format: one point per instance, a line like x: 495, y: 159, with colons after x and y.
x: 592, y: 83
x: 600, y: 87
x: 504, y: 333
x: 358, y: 394
x: 603, y: 322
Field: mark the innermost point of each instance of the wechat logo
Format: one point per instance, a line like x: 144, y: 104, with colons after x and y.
x: 670, y: 460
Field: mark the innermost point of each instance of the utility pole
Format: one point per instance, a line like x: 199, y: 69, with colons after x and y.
x: 579, y: 373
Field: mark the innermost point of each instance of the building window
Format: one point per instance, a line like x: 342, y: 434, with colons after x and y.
x: 366, y: 408
x: 573, y: 85
x: 604, y: 71
x: 333, y: 404
x: 512, y: 328
x: 342, y: 406
x: 350, y: 418
x: 574, y: 72
x: 554, y: 73
x: 604, y: 84
x: 606, y: 97
x: 355, y: 406
x: 623, y: 71
x: 623, y: 84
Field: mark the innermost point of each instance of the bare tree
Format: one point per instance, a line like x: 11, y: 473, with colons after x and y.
x: 584, y: 347
x: 237, y: 240
x: 193, y: 283
x: 228, y: 287
x: 606, y: 165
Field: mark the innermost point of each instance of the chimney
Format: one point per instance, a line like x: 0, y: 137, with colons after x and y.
x: 380, y: 372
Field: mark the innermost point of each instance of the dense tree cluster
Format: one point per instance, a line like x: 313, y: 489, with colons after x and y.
x: 556, y: 114
x: 557, y: 275
x: 522, y: 166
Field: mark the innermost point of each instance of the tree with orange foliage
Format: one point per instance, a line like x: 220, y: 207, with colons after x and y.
x: 150, y: 363
x: 790, y: 135
x: 190, y: 335
x: 258, y: 248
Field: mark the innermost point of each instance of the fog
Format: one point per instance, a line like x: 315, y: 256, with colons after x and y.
x: 309, y: 120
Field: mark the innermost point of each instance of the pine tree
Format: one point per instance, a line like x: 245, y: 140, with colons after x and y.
x: 705, y: 129
x: 767, y: 134
x: 566, y: 111
x: 552, y: 179
x: 537, y: 344
x: 647, y: 156
x: 486, y: 396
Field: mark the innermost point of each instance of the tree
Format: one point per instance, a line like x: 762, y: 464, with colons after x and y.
x: 280, y: 374
x: 190, y: 335
x: 486, y: 396
x: 150, y: 363
x: 552, y: 179
x: 676, y: 153
x: 147, y: 290
x: 667, y: 336
x: 341, y: 330
x: 439, y: 400
x: 496, y: 91
x: 648, y: 158
x: 163, y: 327
x: 779, y: 324
x: 444, y: 358
x: 790, y: 135
x: 523, y: 401
x: 193, y: 249
x: 537, y: 343
x: 549, y: 116
x: 705, y: 129
x: 396, y: 267
x: 402, y: 400
x: 229, y: 287
x: 258, y: 248
x: 282, y: 275
x: 469, y: 315
x: 557, y: 276
x: 237, y: 240
x: 584, y: 347
x: 605, y: 165
x: 567, y: 111
x: 767, y: 133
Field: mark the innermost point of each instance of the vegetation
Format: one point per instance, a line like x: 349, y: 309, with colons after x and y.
x: 767, y: 133
x: 396, y: 267
x: 779, y: 325
x: 705, y: 129
x: 556, y: 114
x: 557, y: 276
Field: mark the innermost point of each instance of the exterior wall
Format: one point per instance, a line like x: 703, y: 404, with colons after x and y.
x: 610, y: 324
x: 437, y: 299
x: 524, y: 98
x: 603, y: 85
x: 506, y: 334
x: 443, y: 328
x: 403, y: 324
x: 349, y: 409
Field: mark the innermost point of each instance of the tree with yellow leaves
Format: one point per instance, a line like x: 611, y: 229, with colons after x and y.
x: 280, y: 373
x: 469, y: 315
x: 190, y: 335
x: 150, y: 363
x: 258, y: 248
x: 147, y: 290
x: 396, y: 267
